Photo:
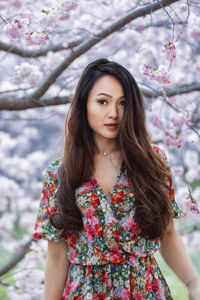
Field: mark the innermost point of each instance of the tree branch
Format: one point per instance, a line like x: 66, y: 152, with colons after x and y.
x: 29, y: 102
x: 37, y: 53
x: 89, y: 43
x: 16, y: 258
x: 176, y: 90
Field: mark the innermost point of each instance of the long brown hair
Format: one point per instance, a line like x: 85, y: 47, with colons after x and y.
x: 144, y: 166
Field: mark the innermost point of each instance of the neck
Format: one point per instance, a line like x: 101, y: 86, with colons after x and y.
x: 106, y: 146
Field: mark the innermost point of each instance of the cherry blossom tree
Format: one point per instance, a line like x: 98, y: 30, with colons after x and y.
x: 44, y: 46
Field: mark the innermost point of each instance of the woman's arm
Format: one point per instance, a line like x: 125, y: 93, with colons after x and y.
x: 56, y: 270
x: 174, y: 253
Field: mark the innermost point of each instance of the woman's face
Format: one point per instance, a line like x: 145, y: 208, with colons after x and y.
x: 105, y: 107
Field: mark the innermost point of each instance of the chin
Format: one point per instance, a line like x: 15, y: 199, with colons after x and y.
x: 110, y: 136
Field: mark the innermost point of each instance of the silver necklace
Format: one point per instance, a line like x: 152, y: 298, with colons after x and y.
x: 107, y: 153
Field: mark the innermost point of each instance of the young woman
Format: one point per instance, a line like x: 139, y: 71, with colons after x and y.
x: 108, y: 205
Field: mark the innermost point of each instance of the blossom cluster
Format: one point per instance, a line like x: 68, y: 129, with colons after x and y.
x: 173, y: 139
x: 30, y: 279
x: 169, y: 51
x: 16, y: 28
x: 161, y: 74
x: 172, y: 129
x: 192, y: 203
x: 25, y: 27
x: 16, y: 4
x: 179, y: 122
x: 27, y: 74
x: 36, y: 38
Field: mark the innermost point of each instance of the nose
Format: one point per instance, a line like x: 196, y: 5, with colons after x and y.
x: 113, y: 111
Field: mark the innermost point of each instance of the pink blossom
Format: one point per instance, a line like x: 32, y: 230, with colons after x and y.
x: 154, y: 119
x: 169, y: 51
x: 16, y: 3
x: 181, y: 121
x: 192, y: 204
x: 28, y: 74
x: 161, y: 74
x: 16, y: 29
x: 195, y: 32
x: 65, y: 16
x: 66, y: 8
x: 69, y: 5
x: 177, y: 122
x: 48, y: 17
x: 188, y: 122
x: 37, y: 38
x: 175, y: 141
x: 3, y: 4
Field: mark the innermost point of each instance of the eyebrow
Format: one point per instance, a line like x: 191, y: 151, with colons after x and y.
x: 107, y: 95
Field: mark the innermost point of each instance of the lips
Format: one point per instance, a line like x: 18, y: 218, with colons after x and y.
x: 112, y: 126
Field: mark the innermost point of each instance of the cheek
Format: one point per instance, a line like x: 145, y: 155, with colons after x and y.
x: 121, y: 113
x: 92, y: 115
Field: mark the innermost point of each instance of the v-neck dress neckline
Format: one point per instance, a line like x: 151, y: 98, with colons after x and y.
x: 98, y: 186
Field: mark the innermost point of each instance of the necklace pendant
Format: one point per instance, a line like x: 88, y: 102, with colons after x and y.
x: 105, y: 153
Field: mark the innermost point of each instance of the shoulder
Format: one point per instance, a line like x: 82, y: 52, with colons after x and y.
x: 52, y: 171
x: 163, y: 156
x: 160, y: 151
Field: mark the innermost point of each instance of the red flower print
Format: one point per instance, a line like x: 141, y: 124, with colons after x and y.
x: 159, y: 294
x: 53, y: 175
x: 104, y: 276
x: 101, y: 255
x: 71, y: 240
x: 148, y: 285
x: 118, y: 197
x: 51, y: 189
x: 37, y: 235
x: 45, y: 192
x: 89, y: 271
x: 132, y: 283
x: 117, y: 234
x: 100, y: 296
x: 94, y: 200
x: 155, y: 285
x: 98, y: 230
x: 53, y: 209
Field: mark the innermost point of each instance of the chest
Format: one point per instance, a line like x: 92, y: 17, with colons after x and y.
x: 106, y: 176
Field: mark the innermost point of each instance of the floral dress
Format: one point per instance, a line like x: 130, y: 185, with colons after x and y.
x: 109, y: 259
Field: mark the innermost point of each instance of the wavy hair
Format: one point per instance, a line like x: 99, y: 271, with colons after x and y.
x: 144, y: 166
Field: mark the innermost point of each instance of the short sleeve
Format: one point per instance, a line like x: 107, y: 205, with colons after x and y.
x: 43, y: 229
x: 177, y: 212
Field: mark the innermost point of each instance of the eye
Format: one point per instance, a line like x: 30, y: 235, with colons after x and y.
x: 102, y: 102
x: 122, y: 103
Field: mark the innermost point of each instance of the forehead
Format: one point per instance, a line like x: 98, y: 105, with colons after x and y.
x: 107, y: 84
